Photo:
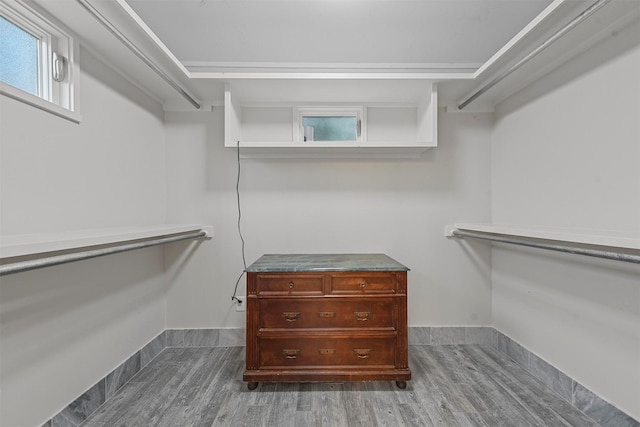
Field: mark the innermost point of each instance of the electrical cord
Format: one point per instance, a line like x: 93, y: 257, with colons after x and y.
x: 244, y: 260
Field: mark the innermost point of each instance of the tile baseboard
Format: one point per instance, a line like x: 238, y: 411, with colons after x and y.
x: 80, y: 409
x: 601, y: 411
x: 232, y: 337
x: 450, y: 335
x: 580, y: 397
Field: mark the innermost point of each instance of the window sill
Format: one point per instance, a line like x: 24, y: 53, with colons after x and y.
x: 39, y: 103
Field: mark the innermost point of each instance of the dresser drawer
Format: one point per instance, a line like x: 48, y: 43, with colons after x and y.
x: 327, y: 313
x: 289, y: 284
x: 326, y: 351
x: 364, y: 283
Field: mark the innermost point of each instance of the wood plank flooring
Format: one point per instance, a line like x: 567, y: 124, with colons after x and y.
x: 464, y: 385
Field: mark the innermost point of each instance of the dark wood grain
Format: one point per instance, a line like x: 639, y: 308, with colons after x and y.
x: 329, y: 326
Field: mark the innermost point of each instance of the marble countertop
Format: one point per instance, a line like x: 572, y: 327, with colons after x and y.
x: 324, y: 262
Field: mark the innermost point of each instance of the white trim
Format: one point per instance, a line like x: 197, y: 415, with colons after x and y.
x: 334, y: 76
x: 211, y: 66
x: 125, y: 6
x: 37, y: 102
x: 473, y: 70
x: 542, y: 16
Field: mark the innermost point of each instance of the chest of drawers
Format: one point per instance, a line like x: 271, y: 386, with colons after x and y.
x: 326, y: 318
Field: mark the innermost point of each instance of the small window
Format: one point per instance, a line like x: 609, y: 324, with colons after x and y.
x: 330, y: 124
x: 19, y: 65
x: 37, y: 60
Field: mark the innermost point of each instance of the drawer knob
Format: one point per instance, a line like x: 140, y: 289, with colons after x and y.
x: 327, y: 314
x: 290, y: 285
x: 363, y: 284
x: 362, y: 353
x: 327, y: 351
x: 362, y: 316
x: 291, y: 316
x: 290, y: 353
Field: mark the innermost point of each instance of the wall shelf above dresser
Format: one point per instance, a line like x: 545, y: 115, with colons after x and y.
x: 398, y: 118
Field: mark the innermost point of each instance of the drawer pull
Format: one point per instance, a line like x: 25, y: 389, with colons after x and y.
x: 290, y: 285
x: 290, y: 353
x: 363, y: 284
x: 327, y: 351
x: 291, y: 316
x: 362, y: 353
x: 362, y: 316
x: 327, y: 314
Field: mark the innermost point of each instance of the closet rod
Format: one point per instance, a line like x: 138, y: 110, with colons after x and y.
x: 564, y: 30
x: 133, y: 48
x: 21, y: 266
x: 534, y: 243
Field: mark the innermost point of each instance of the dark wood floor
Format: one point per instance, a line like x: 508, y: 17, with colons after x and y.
x: 452, y: 386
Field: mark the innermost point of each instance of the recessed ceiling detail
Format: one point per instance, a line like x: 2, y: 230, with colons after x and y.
x: 336, y: 35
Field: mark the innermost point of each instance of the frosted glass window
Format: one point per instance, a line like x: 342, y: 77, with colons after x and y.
x: 18, y: 57
x: 330, y: 128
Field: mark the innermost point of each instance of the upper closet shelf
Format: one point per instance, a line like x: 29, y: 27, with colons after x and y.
x: 32, y: 244
x: 396, y: 119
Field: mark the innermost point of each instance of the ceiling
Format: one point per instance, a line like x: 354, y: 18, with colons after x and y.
x: 345, y: 49
x: 335, y: 35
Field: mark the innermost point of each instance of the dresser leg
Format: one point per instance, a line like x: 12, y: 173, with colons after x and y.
x: 253, y: 386
x: 401, y: 384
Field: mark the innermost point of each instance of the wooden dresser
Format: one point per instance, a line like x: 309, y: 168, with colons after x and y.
x: 326, y: 318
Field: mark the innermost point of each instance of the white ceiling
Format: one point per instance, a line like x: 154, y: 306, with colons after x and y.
x: 373, y: 47
x: 448, y: 35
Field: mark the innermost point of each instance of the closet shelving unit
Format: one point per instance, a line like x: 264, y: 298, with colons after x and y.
x: 609, y: 245
x: 30, y: 251
x: 399, y: 117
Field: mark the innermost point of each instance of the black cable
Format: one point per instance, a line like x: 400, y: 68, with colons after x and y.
x: 244, y: 260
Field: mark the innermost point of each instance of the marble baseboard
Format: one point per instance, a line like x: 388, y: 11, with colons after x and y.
x: 78, y: 410
x: 232, y: 337
x: 601, y: 411
x: 82, y: 407
x: 573, y: 392
x: 450, y: 335
x: 418, y: 335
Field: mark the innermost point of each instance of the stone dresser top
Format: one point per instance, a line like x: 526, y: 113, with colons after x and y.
x: 324, y: 262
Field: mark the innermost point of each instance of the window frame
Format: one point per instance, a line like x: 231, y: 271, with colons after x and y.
x: 59, y: 98
x: 344, y: 111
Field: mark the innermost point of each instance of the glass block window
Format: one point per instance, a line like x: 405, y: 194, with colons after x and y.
x: 330, y: 124
x: 18, y: 57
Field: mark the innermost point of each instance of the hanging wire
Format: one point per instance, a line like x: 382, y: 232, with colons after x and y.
x: 244, y: 260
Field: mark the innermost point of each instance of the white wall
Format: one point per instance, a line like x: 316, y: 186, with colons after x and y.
x: 566, y: 153
x: 63, y: 328
x: 561, y: 153
x: 398, y: 207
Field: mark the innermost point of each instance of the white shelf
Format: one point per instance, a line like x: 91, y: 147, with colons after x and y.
x: 330, y: 151
x: 32, y: 244
x: 609, y: 239
x: 399, y: 120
